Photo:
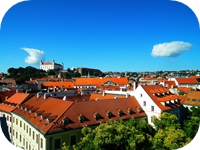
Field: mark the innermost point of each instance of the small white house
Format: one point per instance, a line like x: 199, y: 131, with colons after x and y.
x: 155, y: 99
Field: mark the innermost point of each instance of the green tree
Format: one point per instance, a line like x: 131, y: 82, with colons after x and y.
x: 51, y: 72
x: 165, y: 120
x: 67, y: 75
x: 115, y: 135
x: 169, y: 134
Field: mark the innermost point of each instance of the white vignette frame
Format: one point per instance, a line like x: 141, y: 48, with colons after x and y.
x: 5, y: 5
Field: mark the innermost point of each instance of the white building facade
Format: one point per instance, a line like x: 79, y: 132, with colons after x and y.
x: 51, y: 65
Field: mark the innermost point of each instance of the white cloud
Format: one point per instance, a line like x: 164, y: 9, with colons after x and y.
x: 170, y: 49
x: 35, y: 55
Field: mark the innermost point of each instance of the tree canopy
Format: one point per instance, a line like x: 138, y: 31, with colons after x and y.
x: 167, y: 134
x: 25, y: 74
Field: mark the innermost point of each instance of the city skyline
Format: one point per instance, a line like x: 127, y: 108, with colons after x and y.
x: 108, y: 35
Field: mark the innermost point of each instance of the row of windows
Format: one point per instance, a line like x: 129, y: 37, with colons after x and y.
x: 20, y: 139
x: 7, y: 117
x: 144, y: 104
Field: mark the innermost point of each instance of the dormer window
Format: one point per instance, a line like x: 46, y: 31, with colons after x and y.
x: 25, y: 109
x: 139, y: 110
x: 109, y: 114
x: 65, y: 121
x: 97, y: 116
x: 81, y: 118
x: 130, y: 111
x: 120, y: 113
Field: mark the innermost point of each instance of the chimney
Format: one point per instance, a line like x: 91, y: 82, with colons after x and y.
x: 103, y: 94
x: 97, y: 99
x: 46, y: 95
x: 127, y: 95
x: 64, y: 98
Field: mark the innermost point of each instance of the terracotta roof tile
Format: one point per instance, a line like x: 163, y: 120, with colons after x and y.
x: 187, y: 80
x: 158, y: 99
x: 44, y: 106
x: 12, y: 102
x: 89, y: 108
x: 192, y: 98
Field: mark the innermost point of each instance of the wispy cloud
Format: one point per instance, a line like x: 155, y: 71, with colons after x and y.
x: 170, y: 49
x: 35, y: 56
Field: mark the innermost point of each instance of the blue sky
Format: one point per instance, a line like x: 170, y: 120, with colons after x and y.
x: 110, y: 35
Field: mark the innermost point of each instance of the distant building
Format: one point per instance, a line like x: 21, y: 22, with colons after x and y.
x: 86, y: 71
x: 50, y: 65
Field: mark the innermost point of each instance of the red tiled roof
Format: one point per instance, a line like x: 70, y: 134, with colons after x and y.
x: 6, y: 94
x: 187, y: 80
x: 56, y: 110
x: 11, y: 103
x: 89, y: 108
x: 54, y: 106
x: 150, y: 89
x: 105, y: 97
x: 192, y: 98
x: 100, y: 81
x: 59, y: 84
x: 170, y: 84
x: 185, y: 89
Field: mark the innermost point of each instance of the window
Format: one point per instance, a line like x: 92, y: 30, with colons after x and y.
x: 144, y: 103
x: 57, y: 144
x: 4, y: 115
x: 151, y: 118
x: 140, y: 95
x: 13, y: 132
x: 29, y: 147
x: 26, y: 144
x: 33, y: 135
x: 29, y: 131
x: 20, y: 138
x: 41, y: 143
x: 73, y: 140
x: 36, y: 138
x: 23, y: 141
x: 152, y: 108
x: 7, y: 118
x: 13, y: 119
x: 16, y: 135
x: 16, y: 121
x: 24, y: 126
x: 10, y: 129
x: 10, y: 119
x: 20, y: 123
x: 194, y: 100
x: 188, y: 99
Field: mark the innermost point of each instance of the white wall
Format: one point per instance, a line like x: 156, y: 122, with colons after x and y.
x: 141, y: 96
x: 26, y: 138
